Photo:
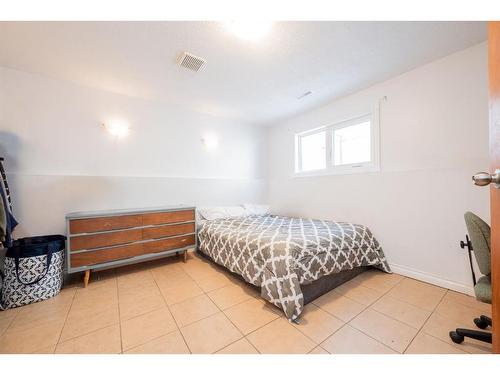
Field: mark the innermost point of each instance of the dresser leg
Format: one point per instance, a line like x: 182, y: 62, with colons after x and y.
x: 185, y: 256
x: 86, y: 278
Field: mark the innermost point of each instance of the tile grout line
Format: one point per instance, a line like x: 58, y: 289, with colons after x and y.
x: 227, y: 273
x: 231, y: 343
x: 119, y: 312
x: 344, y: 323
x: 170, y: 311
x: 228, y: 307
x: 279, y: 317
x: 221, y: 310
x: 227, y: 317
x: 142, y: 314
x: 148, y: 341
x: 432, y: 312
x: 239, y: 330
x: 205, y: 293
x: 115, y: 278
x: 65, y: 321
x: 383, y: 295
x: 412, y: 305
x: 364, y: 333
x: 17, y: 313
x: 439, y: 338
x: 310, y: 351
x: 10, y: 323
x: 212, y: 290
x: 198, y: 320
x: 253, y: 346
x: 88, y: 332
x: 245, y: 336
x: 426, y: 320
x: 400, y: 321
x: 69, y: 310
x: 256, y: 329
x: 373, y: 338
x: 366, y: 306
x: 355, y: 316
x: 137, y: 316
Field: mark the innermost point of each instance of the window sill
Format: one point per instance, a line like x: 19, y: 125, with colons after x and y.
x: 337, y: 171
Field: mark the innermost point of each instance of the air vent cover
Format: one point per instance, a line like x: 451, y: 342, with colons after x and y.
x: 190, y: 61
x: 307, y: 93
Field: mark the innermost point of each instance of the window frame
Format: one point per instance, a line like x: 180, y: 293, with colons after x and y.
x: 365, y: 167
x: 298, y: 148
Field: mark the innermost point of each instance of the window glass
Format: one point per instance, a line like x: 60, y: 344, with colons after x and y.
x: 352, y: 144
x: 313, y: 151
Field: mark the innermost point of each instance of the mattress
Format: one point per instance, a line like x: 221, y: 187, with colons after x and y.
x: 281, y: 255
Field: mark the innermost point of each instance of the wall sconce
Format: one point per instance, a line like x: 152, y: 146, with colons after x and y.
x: 117, y: 129
x: 210, y: 142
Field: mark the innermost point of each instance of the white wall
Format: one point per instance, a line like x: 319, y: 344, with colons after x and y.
x: 434, y: 136
x: 59, y: 159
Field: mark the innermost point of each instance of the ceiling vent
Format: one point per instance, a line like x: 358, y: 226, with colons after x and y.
x: 191, y: 62
x: 307, y: 93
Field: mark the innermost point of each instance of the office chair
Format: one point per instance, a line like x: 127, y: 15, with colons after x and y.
x: 479, y: 233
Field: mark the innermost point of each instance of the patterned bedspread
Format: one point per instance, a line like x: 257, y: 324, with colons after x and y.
x: 279, y: 254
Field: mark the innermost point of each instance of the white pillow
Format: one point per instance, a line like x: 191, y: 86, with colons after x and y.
x: 257, y: 209
x: 220, y: 212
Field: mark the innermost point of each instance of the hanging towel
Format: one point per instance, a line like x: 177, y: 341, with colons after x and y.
x: 10, y: 221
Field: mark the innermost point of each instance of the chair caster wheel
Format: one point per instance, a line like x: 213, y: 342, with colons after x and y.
x: 456, y: 338
x: 480, y: 323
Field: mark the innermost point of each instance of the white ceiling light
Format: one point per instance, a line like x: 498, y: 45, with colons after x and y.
x: 117, y: 128
x: 249, y: 30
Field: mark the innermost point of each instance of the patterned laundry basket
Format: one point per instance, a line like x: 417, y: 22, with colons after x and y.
x: 33, y: 270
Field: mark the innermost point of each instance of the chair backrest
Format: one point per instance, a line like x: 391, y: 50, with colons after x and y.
x: 479, y: 233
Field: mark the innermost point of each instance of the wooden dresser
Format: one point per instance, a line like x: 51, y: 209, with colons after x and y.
x: 104, y: 239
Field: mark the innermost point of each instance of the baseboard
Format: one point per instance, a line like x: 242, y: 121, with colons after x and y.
x: 432, y: 279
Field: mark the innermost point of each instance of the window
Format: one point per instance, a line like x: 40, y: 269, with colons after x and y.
x: 352, y: 144
x: 312, y: 151
x: 347, y: 147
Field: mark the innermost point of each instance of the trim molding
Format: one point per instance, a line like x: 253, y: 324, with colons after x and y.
x: 432, y: 279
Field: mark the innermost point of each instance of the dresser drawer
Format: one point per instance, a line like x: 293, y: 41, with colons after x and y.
x: 89, y: 258
x: 167, y: 230
x: 156, y: 218
x: 100, y: 224
x: 92, y: 241
x: 168, y: 244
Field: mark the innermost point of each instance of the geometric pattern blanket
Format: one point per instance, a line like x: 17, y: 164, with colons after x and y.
x: 279, y: 254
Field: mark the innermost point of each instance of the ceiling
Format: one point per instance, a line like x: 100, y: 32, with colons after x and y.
x: 255, y: 82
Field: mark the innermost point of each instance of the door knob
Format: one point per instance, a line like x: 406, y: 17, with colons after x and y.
x: 484, y: 178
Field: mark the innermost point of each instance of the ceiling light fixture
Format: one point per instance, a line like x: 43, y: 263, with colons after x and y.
x: 117, y: 128
x: 249, y: 30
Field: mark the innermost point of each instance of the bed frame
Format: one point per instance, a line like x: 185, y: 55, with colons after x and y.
x: 310, y: 291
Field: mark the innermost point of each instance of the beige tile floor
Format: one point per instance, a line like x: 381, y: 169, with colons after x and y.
x: 170, y: 307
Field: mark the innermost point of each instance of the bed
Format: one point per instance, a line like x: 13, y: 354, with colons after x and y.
x: 291, y: 260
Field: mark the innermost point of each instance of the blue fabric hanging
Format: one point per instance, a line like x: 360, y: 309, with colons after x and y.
x: 10, y: 221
